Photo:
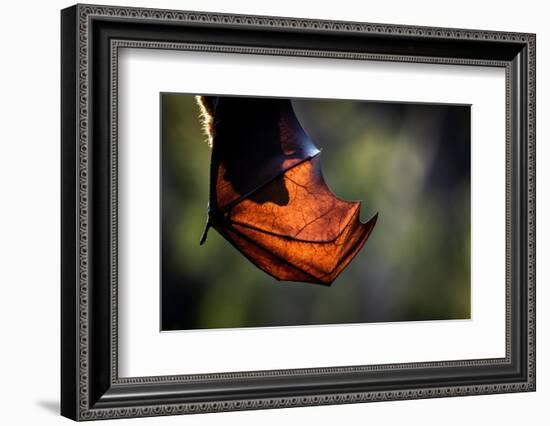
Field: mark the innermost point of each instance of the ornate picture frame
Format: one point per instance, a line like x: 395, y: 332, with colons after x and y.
x: 91, y: 37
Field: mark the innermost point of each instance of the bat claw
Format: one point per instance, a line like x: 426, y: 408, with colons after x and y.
x: 205, y: 232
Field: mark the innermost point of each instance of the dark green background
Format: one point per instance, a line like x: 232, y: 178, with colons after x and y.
x: 408, y: 162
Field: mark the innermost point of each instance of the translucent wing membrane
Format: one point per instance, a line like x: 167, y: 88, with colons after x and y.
x: 272, y: 203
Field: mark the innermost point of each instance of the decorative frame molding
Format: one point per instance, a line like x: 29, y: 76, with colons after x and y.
x: 91, y: 388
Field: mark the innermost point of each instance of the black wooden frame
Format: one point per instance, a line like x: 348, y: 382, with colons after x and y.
x: 90, y: 386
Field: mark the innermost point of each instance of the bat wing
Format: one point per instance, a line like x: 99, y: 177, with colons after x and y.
x: 311, y: 239
x: 268, y: 197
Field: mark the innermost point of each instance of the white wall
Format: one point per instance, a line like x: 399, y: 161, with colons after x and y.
x: 29, y: 225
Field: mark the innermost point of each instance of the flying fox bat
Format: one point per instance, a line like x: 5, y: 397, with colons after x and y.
x: 268, y: 197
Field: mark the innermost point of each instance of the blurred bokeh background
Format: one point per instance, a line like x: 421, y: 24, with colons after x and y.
x: 408, y: 162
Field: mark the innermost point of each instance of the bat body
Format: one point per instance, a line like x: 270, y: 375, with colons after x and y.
x: 268, y: 197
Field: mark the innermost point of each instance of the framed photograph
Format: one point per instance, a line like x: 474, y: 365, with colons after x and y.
x: 263, y: 212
